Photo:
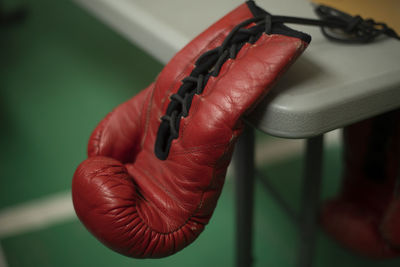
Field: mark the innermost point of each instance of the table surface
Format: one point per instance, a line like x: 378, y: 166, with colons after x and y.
x: 331, y: 85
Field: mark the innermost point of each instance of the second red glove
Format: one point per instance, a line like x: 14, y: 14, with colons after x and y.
x: 365, y: 216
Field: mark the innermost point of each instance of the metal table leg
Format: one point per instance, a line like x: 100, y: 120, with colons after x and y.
x: 244, y: 187
x: 310, y: 200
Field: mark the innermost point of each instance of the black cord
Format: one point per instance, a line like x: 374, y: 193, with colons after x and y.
x: 335, y: 24
x: 354, y: 29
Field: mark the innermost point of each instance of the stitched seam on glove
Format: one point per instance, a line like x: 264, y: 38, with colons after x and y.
x: 148, y: 114
x: 99, y: 134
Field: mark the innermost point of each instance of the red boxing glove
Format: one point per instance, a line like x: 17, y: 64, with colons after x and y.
x: 157, y: 163
x: 366, y: 215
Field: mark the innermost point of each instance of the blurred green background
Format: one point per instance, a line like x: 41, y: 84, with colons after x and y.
x: 61, y: 72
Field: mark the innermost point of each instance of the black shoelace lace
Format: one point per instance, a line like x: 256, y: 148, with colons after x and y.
x: 352, y: 29
x: 355, y: 29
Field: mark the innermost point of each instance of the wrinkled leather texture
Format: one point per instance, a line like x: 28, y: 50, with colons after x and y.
x: 141, y: 206
x: 365, y: 217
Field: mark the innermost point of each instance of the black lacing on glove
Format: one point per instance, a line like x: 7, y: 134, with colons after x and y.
x: 207, y: 65
x: 353, y: 30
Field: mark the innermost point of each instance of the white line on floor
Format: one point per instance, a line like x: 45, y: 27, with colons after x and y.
x: 49, y: 210
x: 3, y: 261
x: 36, y: 214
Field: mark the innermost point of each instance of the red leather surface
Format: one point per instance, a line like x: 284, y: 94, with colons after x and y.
x: 141, y: 206
x: 365, y: 216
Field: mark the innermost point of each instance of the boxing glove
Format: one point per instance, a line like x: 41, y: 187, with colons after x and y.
x: 365, y: 217
x: 157, y: 163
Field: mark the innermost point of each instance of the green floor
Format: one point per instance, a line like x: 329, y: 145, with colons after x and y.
x: 61, y: 72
